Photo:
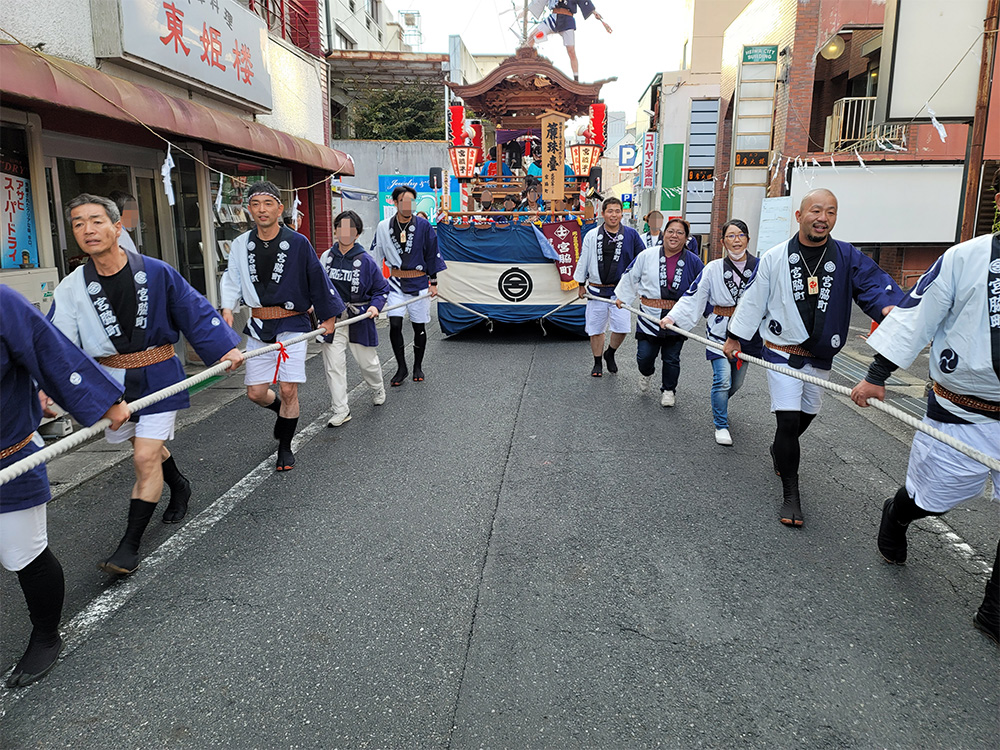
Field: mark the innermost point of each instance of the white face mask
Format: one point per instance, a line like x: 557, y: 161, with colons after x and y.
x: 734, y: 256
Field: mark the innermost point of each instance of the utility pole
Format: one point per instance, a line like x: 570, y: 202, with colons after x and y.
x: 978, y: 130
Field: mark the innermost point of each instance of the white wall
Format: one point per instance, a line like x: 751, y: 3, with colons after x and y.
x: 63, y: 25
x: 374, y: 158
x: 897, y: 203
x: 297, y: 91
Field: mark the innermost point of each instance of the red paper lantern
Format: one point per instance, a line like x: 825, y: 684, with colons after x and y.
x: 583, y: 157
x: 456, y: 125
x: 599, y: 124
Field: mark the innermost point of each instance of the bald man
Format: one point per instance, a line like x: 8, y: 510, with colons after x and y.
x: 799, y: 299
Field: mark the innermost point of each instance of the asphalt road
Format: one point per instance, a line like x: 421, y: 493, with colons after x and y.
x: 515, y: 555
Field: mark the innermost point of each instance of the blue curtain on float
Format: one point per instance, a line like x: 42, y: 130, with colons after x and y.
x: 481, y: 261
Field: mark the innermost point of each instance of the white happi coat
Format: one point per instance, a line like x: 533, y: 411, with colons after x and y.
x: 950, y: 307
x: 709, y: 289
x: 649, y: 240
x: 235, y: 283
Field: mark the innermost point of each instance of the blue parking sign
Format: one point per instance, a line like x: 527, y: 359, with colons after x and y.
x: 628, y: 157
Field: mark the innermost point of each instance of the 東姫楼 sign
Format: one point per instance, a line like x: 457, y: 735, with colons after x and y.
x: 216, y: 42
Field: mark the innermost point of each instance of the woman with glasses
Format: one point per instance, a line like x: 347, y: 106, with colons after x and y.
x: 659, y: 276
x: 715, y: 294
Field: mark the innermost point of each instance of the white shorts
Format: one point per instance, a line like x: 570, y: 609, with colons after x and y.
x: 599, y: 314
x: 260, y: 370
x: 419, y: 312
x: 543, y: 29
x: 938, y: 477
x: 23, y: 536
x: 153, y: 426
x: 792, y: 394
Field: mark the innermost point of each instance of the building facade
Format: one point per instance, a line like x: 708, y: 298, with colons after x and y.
x: 233, y: 92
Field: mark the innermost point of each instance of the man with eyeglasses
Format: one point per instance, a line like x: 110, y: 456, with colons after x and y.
x: 799, y: 299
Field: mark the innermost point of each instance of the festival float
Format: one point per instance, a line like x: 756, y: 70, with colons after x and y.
x: 509, y: 265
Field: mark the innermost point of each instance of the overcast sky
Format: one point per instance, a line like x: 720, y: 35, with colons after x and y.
x: 641, y: 46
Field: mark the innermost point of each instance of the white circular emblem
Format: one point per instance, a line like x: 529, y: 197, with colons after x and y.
x: 215, y: 321
x: 333, y: 292
x: 410, y: 230
x: 793, y: 258
x: 251, y: 245
x: 830, y: 266
x: 140, y: 278
x: 93, y: 288
x: 75, y: 378
x: 680, y: 263
x: 357, y: 263
x: 283, y: 244
x: 289, y: 305
x: 747, y: 272
x: 729, y: 274
x: 995, y: 266
x: 420, y: 268
x: 835, y: 341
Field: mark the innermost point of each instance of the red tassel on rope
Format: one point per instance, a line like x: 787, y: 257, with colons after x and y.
x: 282, y: 357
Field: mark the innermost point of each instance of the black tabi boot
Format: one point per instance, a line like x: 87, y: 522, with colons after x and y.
x: 598, y: 369
x: 609, y: 359
x: 398, y: 351
x: 126, y: 557
x: 419, y: 347
x: 180, y: 492
x: 897, y: 513
x: 987, y: 618
x: 275, y: 406
x: 286, y: 431
x: 44, y: 588
x: 791, y: 507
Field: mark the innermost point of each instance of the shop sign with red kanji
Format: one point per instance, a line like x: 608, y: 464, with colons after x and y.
x: 216, y: 42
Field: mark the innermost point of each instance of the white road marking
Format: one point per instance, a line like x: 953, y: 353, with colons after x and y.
x: 76, y: 632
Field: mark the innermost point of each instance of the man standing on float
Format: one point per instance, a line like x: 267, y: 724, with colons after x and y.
x: 562, y: 21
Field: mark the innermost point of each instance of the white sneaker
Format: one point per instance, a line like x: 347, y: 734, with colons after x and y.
x: 378, y: 398
x: 668, y: 398
x: 644, y: 383
x: 338, y: 419
x: 722, y: 437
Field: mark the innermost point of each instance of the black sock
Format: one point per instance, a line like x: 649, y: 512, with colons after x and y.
x: 285, y: 431
x: 786, y: 443
x: 804, y: 421
x: 597, y: 362
x: 419, y: 346
x: 172, y: 475
x: 44, y: 589
x: 275, y: 405
x: 398, y: 347
x: 905, y: 509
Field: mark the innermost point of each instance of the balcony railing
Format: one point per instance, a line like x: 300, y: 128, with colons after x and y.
x: 286, y: 18
x: 852, y: 126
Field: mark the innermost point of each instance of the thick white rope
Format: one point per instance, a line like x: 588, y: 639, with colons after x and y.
x: 902, y: 416
x: 49, y: 452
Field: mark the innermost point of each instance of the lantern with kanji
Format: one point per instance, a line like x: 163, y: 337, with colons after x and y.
x: 463, y: 161
x: 583, y: 157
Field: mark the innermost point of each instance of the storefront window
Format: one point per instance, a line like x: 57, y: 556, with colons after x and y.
x: 78, y: 176
x: 231, y: 215
x: 17, y: 212
x: 187, y: 223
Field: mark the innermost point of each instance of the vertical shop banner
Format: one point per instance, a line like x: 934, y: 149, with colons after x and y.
x: 425, y: 196
x: 553, y: 156
x: 219, y: 43
x: 672, y: 177
x: 567, y: 240
x: 17, y: 219
x: 649, y: 161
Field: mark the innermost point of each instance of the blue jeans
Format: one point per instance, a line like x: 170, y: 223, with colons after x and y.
x: 669, y: 349
x: 726, y: 380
